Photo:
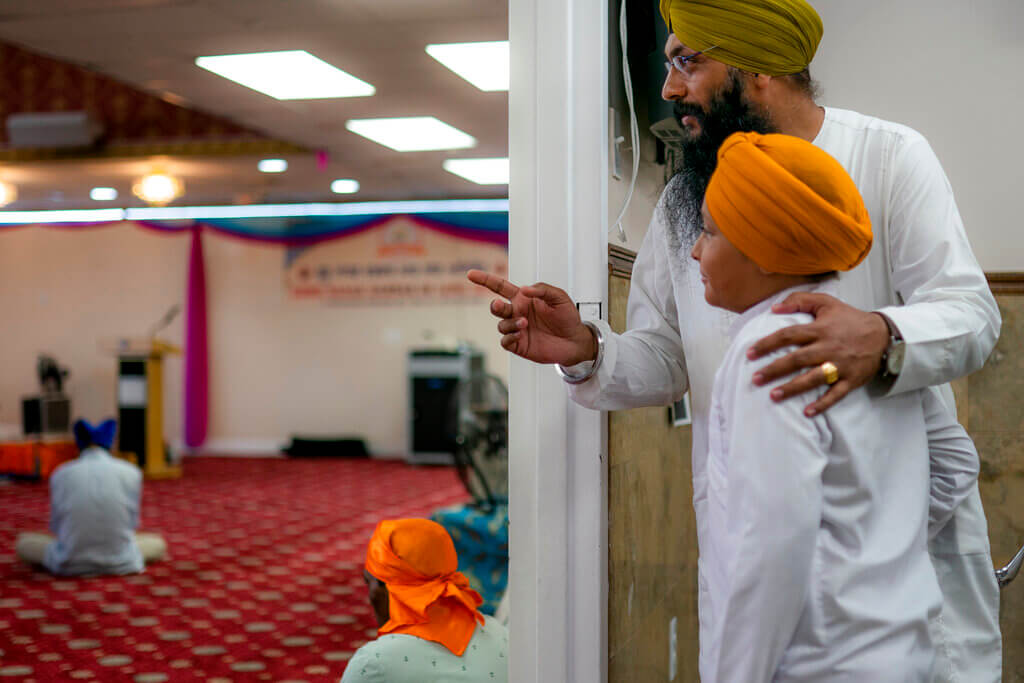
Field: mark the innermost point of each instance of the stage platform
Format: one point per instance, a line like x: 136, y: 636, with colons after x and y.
x: 34, y: 458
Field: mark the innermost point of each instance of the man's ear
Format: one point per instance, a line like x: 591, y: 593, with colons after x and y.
x: 757, y: 85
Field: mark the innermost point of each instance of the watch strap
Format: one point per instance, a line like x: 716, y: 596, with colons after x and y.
x: 895, y: 337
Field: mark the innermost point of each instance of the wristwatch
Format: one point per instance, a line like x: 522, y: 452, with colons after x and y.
x: 892, y: 357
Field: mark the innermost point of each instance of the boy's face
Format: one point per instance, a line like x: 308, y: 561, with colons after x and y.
x: 731, y: 280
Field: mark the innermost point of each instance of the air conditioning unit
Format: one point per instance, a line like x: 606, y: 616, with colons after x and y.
x: 669, y: 131
x: 59, y: 129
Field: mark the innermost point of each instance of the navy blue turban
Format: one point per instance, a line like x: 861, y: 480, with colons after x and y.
x: 102, y: 435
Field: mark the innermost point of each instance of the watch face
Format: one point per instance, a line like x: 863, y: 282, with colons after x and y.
x: 894, y: 359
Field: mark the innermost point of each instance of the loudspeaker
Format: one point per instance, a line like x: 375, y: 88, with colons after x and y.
x: 46, y: 414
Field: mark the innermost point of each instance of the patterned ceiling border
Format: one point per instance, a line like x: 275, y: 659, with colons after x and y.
x: 134, y: 122
x: 204, y: 148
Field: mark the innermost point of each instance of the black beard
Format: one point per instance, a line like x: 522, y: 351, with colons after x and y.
x: 729, y: 113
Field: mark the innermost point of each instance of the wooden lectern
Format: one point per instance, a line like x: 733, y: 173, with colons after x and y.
x: 140, y: 404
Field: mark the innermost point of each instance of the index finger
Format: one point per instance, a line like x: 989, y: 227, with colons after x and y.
x: 803, y: 302
x: 498, y: 285
x: 794, y: 335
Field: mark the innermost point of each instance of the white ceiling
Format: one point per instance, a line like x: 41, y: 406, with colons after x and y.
x: 152, y: 44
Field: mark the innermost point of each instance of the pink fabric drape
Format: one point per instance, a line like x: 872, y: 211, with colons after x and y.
x: 196, y: 347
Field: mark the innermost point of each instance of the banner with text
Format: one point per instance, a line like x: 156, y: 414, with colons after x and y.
x: 402, y: 259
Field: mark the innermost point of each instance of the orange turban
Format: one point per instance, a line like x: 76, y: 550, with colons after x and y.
x: 428, y: 597
x: 788, y: 205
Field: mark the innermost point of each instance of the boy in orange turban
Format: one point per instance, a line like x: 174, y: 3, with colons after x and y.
x: 814, y: 564
x: 430, y: 628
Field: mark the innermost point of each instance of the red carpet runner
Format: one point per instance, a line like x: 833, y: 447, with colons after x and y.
x: 264, y: 582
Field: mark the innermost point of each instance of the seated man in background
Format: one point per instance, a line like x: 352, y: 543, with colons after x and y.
x: 430, y: 628
x: 94, y: 511
x: 813, y: 536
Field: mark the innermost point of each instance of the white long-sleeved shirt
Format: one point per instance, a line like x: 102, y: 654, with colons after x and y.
x: 94, y: 511
x: 920, y: 272
x: 814, y: 561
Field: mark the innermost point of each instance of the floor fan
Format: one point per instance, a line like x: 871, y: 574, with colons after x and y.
x: 478, y: 421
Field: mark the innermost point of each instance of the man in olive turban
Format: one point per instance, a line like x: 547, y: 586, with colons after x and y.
x: 918, y: 311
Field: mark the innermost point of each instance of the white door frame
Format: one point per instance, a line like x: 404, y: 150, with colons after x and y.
x: 558, y: 227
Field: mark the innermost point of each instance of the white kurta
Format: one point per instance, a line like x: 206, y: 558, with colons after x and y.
x: 94, y: 511
x: 920, y: 272
x: 815, y: 563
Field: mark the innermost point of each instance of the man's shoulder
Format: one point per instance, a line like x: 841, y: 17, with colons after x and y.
x: 367, y: 664
x: 493, y: 632
x: 64, y: 470
x: 126, y: 466
x: 395, y: 658
x: 766, y: 323
x: 108, y: 462
x: 113, y: 468
x: 494, y: 626
x: 846, y: 120
x: 375, y: 656
x: 71, y: 470
x: 371, y: 650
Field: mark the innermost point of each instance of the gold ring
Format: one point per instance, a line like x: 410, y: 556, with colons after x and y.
x: 831, y: 372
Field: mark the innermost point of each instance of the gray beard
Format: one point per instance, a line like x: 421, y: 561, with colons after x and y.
x: 681, y: 216
x: 728, y: 113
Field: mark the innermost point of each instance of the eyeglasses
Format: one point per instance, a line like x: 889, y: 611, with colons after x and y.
x: 680, y: 63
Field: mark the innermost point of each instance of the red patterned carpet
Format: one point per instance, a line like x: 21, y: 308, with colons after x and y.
x: 264, y: 582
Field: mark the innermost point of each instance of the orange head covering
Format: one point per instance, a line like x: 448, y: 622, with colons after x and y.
x: 787, y: 205
x: 428, y: 597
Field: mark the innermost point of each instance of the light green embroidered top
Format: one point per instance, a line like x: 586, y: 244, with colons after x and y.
x: 400, y: 658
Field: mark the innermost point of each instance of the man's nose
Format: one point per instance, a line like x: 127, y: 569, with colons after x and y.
x: 674, y: 88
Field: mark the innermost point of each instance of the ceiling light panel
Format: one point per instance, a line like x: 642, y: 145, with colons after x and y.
x: 411, y: 134
x: 287, y: 75
x: 103, y: 194
x: 272, y: 165
x: 479, y: 171
x: 485, y: 65
x: 345, y: 186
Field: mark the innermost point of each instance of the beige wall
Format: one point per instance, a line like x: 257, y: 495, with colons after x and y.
x: 649, y: 184
x: 277, y: 366
x: 951, y: 69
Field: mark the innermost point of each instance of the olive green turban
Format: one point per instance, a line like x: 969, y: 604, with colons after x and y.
x: 774, y: 37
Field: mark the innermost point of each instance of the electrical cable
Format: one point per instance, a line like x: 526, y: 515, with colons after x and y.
x: 634, y: 130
